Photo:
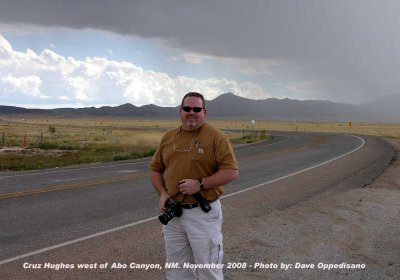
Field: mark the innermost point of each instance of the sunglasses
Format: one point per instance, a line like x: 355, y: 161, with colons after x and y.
x: 195, y: 109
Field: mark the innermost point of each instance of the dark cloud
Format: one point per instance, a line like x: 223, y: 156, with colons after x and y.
x: 354, y: 44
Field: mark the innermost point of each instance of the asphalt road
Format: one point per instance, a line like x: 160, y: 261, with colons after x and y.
x: 46, y: 215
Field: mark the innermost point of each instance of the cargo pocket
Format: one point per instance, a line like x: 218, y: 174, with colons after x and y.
x: 216, y: 250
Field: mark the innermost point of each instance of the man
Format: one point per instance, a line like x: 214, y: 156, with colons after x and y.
x: 194, y: 158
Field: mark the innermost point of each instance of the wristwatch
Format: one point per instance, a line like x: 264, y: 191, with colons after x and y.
x: 201, y: 184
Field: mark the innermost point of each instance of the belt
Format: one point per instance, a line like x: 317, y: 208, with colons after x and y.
x: 194, y: 205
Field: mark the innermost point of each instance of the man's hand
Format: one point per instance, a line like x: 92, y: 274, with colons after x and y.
x: 161, y: 202
x: 189, y: 186
x: 157, y: 180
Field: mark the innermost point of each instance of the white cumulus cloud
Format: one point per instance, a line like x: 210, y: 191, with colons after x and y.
x: 51, y: 80
x: 28, y: 85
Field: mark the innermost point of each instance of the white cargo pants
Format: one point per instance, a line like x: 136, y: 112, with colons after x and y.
x: 194, y: 241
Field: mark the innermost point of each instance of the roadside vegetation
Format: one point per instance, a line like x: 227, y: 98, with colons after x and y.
x: 33, y: 142
x: 250, y: 137
x: 36, y: 143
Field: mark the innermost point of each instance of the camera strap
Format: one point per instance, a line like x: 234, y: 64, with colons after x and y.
x: 175, y: 195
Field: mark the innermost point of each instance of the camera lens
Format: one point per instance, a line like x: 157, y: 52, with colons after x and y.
x: 166, y: 217
x: 172, y: 210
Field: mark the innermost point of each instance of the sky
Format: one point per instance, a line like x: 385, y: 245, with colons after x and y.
x: 82, y: 53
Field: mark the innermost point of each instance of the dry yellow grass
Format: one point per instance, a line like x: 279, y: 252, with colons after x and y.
x: 148, y: 132
x: 85, y: 140
x: 143, y: 133
x: 390, y: 130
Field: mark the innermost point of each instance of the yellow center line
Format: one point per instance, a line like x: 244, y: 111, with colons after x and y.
x: 72, y: 186
x: 318, y: 140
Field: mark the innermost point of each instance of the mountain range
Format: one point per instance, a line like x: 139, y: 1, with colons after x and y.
x: 228, y: 105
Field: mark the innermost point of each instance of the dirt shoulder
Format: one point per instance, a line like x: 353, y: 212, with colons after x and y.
x: 349, y: 235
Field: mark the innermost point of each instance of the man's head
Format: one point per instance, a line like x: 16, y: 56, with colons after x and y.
x: 193, y: 111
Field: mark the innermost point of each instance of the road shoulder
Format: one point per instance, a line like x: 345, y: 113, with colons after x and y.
x: 356, y: 228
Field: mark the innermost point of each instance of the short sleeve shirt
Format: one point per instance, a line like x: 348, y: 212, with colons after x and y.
x: 193, y: 155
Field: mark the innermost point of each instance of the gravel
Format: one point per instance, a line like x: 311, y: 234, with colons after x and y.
x: 354, y: 234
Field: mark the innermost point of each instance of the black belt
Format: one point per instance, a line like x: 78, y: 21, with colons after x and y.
x: 194, y: 205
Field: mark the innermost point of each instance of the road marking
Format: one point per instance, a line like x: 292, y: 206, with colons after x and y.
x: 256, y: 145
x: 90, y: 167
x: 72, y: 179
x: 75, y: 241
x: 104, y: 181
x: 46, y: 249
x: 72, y: 169
x: 300, y: 171
x: 72, y: 186
x: 317, y: 140
x: 127, y: 171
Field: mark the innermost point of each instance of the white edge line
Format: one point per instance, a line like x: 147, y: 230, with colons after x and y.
x: 72, y: 169
x: 301, y: 171
x: 153, y: 218
x: 75, y: 241
x: 92, y: 167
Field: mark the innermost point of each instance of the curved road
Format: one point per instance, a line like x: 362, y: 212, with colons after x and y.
x: 45, y: 213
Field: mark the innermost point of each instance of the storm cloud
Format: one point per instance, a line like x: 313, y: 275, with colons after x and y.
x: 336, y: 50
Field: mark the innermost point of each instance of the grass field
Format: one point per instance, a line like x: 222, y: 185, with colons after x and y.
x: 32, y: 142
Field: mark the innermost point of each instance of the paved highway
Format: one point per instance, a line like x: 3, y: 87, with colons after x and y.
x: 49, y: 210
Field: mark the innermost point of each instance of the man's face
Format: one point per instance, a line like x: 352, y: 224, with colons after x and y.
x: 191, y: 120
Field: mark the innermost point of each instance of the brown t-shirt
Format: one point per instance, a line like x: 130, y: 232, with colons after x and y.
x: 193, y: 155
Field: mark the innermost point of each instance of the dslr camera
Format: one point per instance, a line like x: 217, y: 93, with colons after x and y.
x: 172, y: 209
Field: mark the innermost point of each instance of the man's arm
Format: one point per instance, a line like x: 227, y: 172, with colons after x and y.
x: 157, y: 180
x: 220, y: 178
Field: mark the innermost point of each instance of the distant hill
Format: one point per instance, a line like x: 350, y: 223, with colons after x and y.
x: 229, y: 105
x: 385, y: 108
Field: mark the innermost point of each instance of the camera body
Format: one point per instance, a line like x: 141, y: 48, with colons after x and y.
x: 172, y: 209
